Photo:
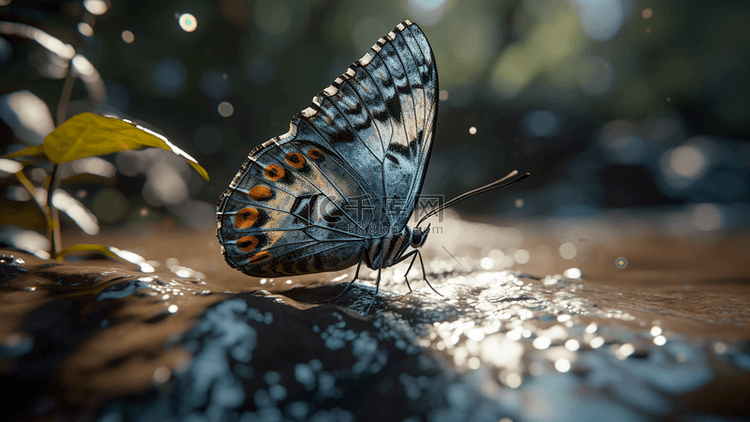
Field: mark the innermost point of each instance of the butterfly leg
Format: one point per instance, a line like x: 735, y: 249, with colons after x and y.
x: 375, y: 296
x: 424, y: 273
x: 416, y: 253
x: 356, y: 277
x: 413, y: 254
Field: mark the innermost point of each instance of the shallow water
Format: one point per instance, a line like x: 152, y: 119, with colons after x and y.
x: 664, y: 337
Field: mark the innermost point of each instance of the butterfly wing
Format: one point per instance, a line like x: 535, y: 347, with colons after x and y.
x: 382, y: 114
x: 309, y: 200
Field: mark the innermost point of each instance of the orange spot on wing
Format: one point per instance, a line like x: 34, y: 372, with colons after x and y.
x: 314, y: 153
x: 247, y: 243
x: 246, y: 218
x: 259, y: 257
x: 260, y: 192
x: 295, y: 159
x: 274, y: 172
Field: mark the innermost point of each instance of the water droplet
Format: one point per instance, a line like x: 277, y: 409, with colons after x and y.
x: 572, y: 273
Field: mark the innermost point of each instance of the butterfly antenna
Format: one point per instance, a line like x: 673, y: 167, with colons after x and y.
x: 497, y: 184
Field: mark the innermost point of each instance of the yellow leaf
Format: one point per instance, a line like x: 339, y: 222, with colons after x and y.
x: 37, y: 151
x: 89, y: 135
x: 111, y: 252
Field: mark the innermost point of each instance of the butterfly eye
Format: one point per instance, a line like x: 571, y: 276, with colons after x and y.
x: 416, y: 238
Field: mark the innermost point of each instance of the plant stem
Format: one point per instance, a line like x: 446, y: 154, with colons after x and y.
x: 53, y: 217
x: 65, y: 94
x: 53, y: 223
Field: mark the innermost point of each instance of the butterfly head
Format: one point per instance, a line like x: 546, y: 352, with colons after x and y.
x: 419, y: 236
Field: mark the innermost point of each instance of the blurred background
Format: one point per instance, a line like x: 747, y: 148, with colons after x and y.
x: 616, y: 107
x: 633, y: 117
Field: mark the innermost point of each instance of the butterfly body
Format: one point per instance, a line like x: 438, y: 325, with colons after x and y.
x: 340, y: 186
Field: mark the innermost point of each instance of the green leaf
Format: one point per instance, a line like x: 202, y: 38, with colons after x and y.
x: 89, y: 135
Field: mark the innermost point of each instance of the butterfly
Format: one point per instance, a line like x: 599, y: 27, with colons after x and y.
x: 340, y: 186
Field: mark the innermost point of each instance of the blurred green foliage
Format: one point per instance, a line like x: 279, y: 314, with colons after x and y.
x: 553, y: 87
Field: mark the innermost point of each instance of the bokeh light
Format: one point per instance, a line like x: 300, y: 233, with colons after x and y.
x: 127, y: 36
x: 110, y: 205
x: 85, y: 29
x: 169, y: 77
x: 260, y: 70
x: 568, y: 250
x: 426, y: 12
x: 686, y: 161
x: 272, y: 17
x: 562, y: 365
x: 600, y: 19
x: 226, y: 109
x: 621, y: 263
x: 96, y: 7
x: 541, y: 123
x: 595, y: 75
x: 472, y: 130
x: 215, y: 84
x: 522, y: 256
x: 707, y: 217
x: 572, y: 345
x: 573, y: 273
x: 188, y: 22
x: 513, y: 380
x: 27, y: 115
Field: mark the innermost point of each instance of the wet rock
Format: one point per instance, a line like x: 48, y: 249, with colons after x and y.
x: 92, y: 342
